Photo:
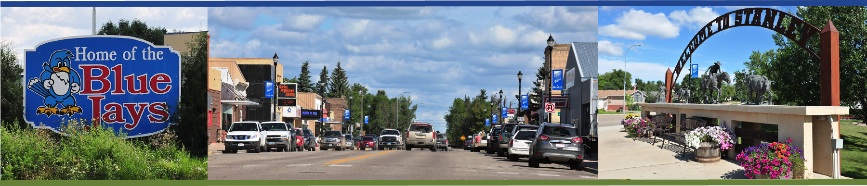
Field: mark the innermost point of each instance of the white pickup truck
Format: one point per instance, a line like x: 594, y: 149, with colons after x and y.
x: 390, y: 138
x: 245, y: 135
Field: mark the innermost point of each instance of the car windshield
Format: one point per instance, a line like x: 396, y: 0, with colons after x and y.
x: 243, y: 127
x: 367, y: 138
x: 297, y: 132
x: 524, y: 134
x: 274, y: 127
x: 508, y: 127
x: 559, y: 131
x: 496, y: 131
x: 306, y: 132
x: 347, y: 137
x: 440, y: 136
x: 332, y: 133
x: 425, y: 128
x: 390, y: 132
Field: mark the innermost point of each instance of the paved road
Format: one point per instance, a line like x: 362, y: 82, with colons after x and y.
x: 456, y: 164
x: 607, y: 120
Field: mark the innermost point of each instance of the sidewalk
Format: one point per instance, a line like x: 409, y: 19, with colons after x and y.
x: 623, y: 158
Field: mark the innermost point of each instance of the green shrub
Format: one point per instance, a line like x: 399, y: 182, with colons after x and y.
x: 83, y: 152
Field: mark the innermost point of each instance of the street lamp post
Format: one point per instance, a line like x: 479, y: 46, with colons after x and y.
x: 362, y: 110
x: 519, y: 91
x: 503, y: 103
x: 349, y: 121
x: 321, y: 107
x: 624, y: 77
x: 274, y: 98
x: 550, y: 61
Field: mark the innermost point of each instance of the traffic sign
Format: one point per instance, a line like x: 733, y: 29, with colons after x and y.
x: 549, y: 107
x: 463, y: 138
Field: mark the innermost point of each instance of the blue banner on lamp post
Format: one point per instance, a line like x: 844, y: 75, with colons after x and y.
x: 505, y: 112
x: 365, y: 120
x: 557, y: 76
x: 494, y: 116
x: 269, y: 89
x: 525, y: 102
x: 346, y: 114
x: 694, y: 72
x: 487, y: 122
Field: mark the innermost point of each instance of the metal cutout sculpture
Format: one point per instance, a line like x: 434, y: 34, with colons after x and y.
x: 760, y: 85
x: 796, y: 30
x: 713, y: 83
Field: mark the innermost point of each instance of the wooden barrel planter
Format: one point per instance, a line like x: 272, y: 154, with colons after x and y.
x: 707, y: 153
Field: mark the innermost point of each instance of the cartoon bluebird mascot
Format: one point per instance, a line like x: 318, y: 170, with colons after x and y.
x: 57, y: 83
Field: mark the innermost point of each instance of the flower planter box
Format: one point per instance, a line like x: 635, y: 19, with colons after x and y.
x: 707, y: 153
x: 765, y: 176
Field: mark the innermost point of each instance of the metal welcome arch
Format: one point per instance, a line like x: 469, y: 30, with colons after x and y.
x: 771, y: 19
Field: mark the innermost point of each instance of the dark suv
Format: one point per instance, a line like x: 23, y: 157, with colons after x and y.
x: 558, y: 143
x: 494, y: 139
x: 309, y: 140
x: 504, y: 137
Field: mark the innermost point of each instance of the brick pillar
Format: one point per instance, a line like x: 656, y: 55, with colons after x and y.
x: 668, y: 85
x: 830, y: 65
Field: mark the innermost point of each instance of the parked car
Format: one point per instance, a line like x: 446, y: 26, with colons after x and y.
x: 503, y: 139
x: 442, y: 141
x: 245, y: 135
x: 494, y: 139
x: 299, y: 140
x: 309, y: 140
x: 556, y: 142
x: 481, y: 142
x: 390, y: 138
x: 467, y: 143
x: 368, y: 143
x: 421, y: 135
x: 279, y: 135
x: 332, y: 139
x: 348, y: 142
x: 519, y: 145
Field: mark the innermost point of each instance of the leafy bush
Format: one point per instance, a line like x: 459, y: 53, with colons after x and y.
x: 84, y: 152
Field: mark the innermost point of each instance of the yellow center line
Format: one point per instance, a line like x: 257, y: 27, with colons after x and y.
x: 357, y: 158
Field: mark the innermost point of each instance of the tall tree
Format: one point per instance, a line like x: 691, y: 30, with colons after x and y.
x: 304, y: 82
x: 136, y: 28
x: 339, y: 85
x: 12, y: 99
x: 796, y: 73
x: 192, y: 134
x: 293, y: 80
x: 323, y: 78
x: 614, y: 80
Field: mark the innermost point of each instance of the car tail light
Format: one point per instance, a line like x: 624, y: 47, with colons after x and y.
x: 542, y: 137
x: 435, y: 135
x: 538, y: 154
x: 577, y: 140
x: 510, y: 143
x: 580, y: 157
x: 501, y: 137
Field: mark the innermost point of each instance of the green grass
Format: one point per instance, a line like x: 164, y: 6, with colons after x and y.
x: 854, y: 153
x: 602, y: 111
x: 96, y: 153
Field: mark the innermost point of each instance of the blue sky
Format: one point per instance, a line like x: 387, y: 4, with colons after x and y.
x: 664, y: 32
x: 437, y: 53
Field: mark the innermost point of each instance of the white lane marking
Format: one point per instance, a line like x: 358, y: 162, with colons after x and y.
x: 340, y: 165
x: 507, y: 173
x: 298, y: 165
x: 548, y: 175
x: 216, y: 166
x: 253, y: 165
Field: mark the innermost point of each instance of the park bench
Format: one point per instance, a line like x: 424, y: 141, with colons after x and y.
x: 688, y: 124
x: 663, y: 125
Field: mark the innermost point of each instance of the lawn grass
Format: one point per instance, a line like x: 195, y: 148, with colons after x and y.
x: 93, y: 153
x: 601, y: 111
x: 854, y: 153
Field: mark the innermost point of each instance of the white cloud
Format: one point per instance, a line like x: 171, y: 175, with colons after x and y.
x: 561, y: 19
x: 637, y: 25
x: 695, y: 18
x: 610, y: 48
x: 442, y: 42
x: 236, y: 18
x: 302, y: 22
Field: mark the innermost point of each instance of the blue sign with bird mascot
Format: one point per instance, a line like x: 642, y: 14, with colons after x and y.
x: 124, y: 82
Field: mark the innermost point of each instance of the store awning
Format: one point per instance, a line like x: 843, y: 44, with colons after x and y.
x: 237, y: 102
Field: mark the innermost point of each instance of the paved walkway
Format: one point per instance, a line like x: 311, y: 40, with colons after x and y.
x: 622, y: 158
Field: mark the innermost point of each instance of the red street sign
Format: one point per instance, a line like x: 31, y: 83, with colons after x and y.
x: 559, y: 101
x: 511, y: 111
x: 549, y: 107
